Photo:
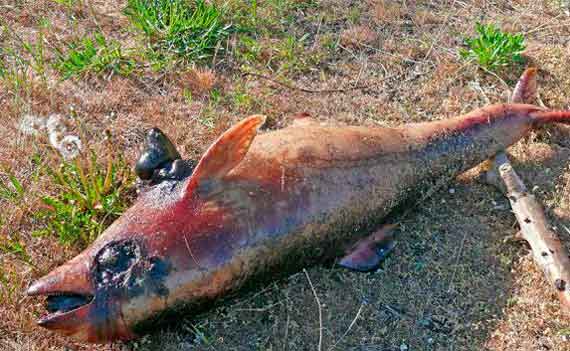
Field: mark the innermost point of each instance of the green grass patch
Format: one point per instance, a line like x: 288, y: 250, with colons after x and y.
x: 192, y: 30
x: 10, y: 285
x: 269, y: 16
x: 94, y: 55
x: 493, y: 49
x: 67, y: 3
x: 14, y: 73
x: 16, y: 248
x: 91, y: 196
x: 11, y: 190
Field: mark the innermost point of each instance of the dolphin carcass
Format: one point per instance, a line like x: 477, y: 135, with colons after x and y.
x: 261, y: 205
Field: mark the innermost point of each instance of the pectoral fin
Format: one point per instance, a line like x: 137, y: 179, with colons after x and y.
x: 367, y: 254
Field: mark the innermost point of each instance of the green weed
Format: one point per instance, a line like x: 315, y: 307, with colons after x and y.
x: 12, y: 190
x: 329, y: 42
x: 263, y: 18
x: 16, y: 248
x: 10, y: 283
x: 208, y: 117
x: 187, y: 94
x: 248, y: 50
x: 189, y: 29
x: 200, y: 337
x: 94, y: 55
x: 14, y: 68
x: 215, y: 97
x: 38, y: 60
x: 90, y: 197
x: 492, y: 48
x: 67, y: 3
x: 354, y: 15
x: 291, y: 56
x: 242, y: 100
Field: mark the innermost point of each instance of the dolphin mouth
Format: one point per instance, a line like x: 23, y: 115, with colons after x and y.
x: 66, y: 302
x: 62, y: 304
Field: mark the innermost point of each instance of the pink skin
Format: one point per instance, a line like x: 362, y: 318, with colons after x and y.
x: 249, y: 213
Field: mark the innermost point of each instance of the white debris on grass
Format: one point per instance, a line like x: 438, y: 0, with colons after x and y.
x: 55, y: 129
x: 31, y: 124
x: 68, y: 145
x: 55, y: 124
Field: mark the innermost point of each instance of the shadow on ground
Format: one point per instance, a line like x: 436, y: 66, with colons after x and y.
x: 457, y: 281
x: 446, y: 287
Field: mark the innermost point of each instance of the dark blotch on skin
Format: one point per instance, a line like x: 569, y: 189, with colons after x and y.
x: 159, y: 270
x: 149, y: 277
x: 560, y: 284
x: 123, y: 269
x: 113, y: 262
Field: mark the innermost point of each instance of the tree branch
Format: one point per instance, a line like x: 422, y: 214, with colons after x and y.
x: 548, y: 251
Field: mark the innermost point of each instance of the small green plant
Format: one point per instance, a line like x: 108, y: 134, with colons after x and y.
x: 189, y: 29
x: 291, y: 55
x: 492, y: 48
x: 90, y: 197
x: 200, y: 337
x: 242, y: 100
x: 248, y: 50
x: 14, y: 247
x: 37, y: 52
x: 11, y: 190
x: 10, y: 285
x: 208, y: 117
x: 14, y: 69
x: 93, y: 55
x: 67, y: 3
x: 272, y: 15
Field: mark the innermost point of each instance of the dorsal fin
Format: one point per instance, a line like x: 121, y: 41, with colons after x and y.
x: 526, y: 89
x: 226, y: 152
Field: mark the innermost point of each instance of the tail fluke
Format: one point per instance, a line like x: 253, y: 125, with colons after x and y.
x: 525, y: 91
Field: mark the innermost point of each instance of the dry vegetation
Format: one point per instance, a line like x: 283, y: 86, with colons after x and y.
x: 457, y: 280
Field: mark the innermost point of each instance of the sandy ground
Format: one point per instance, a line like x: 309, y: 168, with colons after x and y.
x: 457, y: 279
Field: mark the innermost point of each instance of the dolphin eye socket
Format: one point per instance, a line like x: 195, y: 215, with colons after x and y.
x: 114, y: 261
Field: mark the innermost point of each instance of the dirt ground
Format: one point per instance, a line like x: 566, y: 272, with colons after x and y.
x: 457, y: 280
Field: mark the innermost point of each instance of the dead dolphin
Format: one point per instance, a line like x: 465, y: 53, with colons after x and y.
x: 260, y: 206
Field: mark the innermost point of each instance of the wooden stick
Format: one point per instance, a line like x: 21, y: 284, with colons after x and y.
x: 548, y: 251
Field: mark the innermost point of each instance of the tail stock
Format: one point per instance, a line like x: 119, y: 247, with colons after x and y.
x: 546, y: 117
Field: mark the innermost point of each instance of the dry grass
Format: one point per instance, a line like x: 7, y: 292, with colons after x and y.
x: 456, y: 280
x: 200, y: 81
x: 386, y: 12
x: 357, y: 37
